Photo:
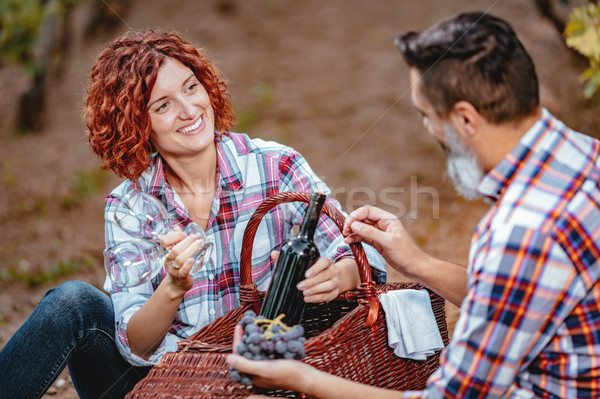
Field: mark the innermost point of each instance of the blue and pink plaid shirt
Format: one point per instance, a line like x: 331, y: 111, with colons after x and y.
x: 249, y: 171
x: 530, y: 324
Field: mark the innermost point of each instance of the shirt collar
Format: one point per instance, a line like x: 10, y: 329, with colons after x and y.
x: 155, y: 183
x: 153, y: 180
x: 230, y: 175
x: 495, y: 182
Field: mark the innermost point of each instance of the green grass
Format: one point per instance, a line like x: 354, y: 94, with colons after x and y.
x: 31, y: 279
x: 84, y: 184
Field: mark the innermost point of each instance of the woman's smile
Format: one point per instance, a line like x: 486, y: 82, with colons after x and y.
x: 198, y: 126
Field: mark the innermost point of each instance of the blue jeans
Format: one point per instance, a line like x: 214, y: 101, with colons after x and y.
x: 72, y: 325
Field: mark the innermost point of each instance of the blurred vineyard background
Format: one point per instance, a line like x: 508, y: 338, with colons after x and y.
x: 320, y: 76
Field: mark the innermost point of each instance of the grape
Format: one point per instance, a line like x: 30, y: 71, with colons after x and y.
x: 254, y: 349
x: 265, y: 339
x: 256, y: 338
x: 295, y: 346
x: 252, y: 328
x: 280, y: 347
x: 241, y: 348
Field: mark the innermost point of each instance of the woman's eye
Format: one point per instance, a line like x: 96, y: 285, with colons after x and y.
x: 162, y: 107
x: 192, y: 87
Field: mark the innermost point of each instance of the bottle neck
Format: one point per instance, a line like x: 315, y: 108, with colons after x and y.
x: 311, y: 220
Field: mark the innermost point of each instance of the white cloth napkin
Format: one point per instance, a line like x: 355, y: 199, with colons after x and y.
x: 412, y: 330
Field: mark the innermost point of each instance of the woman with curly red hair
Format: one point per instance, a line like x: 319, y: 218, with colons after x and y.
x: 159, y: 116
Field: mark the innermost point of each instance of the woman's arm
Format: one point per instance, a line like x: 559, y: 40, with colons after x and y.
x: 149, y: 325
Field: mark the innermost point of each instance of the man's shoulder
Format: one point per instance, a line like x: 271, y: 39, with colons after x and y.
x: 560, y: 176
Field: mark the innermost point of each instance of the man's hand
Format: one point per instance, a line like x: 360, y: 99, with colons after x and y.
x: 280, y: 374
x: 386, y: 233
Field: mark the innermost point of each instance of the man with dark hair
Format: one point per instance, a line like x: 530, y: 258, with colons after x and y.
x: 530, y: 313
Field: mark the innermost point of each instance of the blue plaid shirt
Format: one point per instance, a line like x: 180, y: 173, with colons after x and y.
x: 530, y: 324
x: 249, y: 171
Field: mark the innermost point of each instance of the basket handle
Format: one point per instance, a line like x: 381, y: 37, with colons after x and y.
x: 365, y: 291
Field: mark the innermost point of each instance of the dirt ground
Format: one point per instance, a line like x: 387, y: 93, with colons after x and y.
x: 320, y: 76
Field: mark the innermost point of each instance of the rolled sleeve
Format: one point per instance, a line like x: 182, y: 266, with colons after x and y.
x: 125, y: 305
x: 340, y: 250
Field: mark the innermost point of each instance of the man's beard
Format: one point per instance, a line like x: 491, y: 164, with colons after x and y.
x: 462, y: 165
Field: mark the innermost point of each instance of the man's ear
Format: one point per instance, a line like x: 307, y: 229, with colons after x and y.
x: 466, y: 119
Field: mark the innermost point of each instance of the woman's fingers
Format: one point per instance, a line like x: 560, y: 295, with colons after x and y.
x: 172, y: 238
x: 322, y: 283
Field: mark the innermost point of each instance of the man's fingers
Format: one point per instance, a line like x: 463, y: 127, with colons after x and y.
x: 369, y: 234
x: 368, y: 215
x: 245, y: 365
x: 359, y: 214
x: 238, y: 332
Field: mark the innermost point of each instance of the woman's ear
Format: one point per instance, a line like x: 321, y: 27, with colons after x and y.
x: 466, y: 119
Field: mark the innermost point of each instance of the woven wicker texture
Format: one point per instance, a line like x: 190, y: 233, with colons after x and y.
x: 346, y: 337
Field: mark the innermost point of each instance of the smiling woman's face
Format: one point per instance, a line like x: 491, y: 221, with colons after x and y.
x: 180, y: 111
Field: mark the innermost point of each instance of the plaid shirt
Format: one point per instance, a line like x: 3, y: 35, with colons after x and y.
x: 249, y: 171
x: 530, y: 324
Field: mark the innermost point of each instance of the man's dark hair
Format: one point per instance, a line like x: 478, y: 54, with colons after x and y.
x: 477, y: 58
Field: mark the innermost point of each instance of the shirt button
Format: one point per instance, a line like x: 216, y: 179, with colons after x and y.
x: 211, y: 276
x: 212, y: 312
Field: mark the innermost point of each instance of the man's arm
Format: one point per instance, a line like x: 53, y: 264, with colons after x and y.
x: 301, y: 377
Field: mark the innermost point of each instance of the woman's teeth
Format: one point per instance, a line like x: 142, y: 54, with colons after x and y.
x: 193, y: 127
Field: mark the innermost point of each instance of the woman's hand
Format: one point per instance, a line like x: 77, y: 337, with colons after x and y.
x: 322, y: 283
x: 325, y: 279
x: 179, y: 260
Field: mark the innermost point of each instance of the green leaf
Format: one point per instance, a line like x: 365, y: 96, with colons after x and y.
x: 589, y: 74
x: 582, y: 33
x: 590, y: 89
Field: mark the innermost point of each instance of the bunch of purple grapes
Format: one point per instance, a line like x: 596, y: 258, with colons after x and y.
x: 265, y: 339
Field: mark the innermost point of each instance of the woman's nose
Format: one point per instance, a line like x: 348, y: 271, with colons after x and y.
x: 187, y: 109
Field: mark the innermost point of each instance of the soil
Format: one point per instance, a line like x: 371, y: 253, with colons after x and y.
x: 322, y: 77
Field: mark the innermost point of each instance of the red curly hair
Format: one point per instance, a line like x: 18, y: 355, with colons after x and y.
x: 121, y: 82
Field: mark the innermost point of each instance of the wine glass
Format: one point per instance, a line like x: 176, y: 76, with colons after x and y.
x: 204, y: 252
x: 131, y: 263
x: 144, y: 217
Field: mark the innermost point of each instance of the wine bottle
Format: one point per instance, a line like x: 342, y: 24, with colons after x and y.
x: 296, y: 256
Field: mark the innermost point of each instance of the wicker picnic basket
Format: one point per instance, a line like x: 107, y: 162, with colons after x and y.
x: 346, y: 337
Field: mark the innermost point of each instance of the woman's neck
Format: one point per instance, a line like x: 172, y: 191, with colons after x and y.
x: 194, y: 174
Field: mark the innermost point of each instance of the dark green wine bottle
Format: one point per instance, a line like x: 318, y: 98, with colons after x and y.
x: 295, y: 257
